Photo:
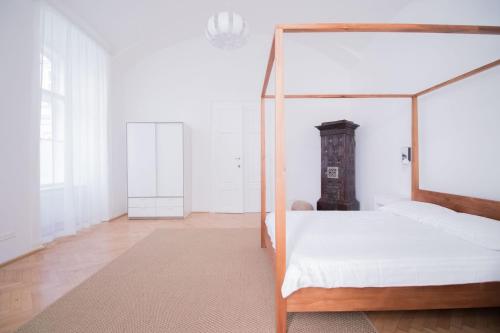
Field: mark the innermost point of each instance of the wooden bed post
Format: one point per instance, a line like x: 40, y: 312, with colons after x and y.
x: 263, y: 186
x: 280, y: 200
x: 415, y: 178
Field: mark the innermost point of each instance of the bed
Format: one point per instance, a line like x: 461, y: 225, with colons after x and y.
x: 335, y: 249
x: 436, y: 283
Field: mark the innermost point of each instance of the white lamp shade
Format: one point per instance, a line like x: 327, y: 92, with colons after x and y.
x: 227, y: 30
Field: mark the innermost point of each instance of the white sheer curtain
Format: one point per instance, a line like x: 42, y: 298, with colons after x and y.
x: 73, y: 128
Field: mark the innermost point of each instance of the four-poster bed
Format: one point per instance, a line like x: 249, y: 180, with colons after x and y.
x: 485, y: 294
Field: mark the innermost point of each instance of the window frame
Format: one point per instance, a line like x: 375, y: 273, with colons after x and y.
x: 54, y: 93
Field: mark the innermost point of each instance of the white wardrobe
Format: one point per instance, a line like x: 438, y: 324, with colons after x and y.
x: 159, y: 170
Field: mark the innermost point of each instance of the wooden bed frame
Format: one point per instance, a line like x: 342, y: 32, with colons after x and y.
x: 377, y: 298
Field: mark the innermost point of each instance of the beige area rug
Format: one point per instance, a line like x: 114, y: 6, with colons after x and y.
x: 201, y: 280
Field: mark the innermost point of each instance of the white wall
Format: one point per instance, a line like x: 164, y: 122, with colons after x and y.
x: 383, y: 130
x: 178, y: 83
x: 457, y: 121
x: 460, y: 138
x: 19, y: 133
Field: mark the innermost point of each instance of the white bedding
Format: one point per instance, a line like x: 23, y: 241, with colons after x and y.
x: 377, y: 249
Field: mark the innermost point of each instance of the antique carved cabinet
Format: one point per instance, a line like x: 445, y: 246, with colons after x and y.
x: 338, y: 186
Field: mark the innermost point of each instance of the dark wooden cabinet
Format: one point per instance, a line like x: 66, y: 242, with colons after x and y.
x: 338, y: 180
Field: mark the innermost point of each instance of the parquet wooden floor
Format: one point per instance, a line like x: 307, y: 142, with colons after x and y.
x: 438, y: 321
x: 30, y: 284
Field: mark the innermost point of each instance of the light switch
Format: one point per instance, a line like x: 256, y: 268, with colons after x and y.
x: 405, y: 155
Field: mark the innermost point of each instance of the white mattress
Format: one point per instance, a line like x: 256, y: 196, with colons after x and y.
x: 377, y: 249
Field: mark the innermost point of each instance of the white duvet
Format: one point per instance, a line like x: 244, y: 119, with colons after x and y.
x: 377, y: 249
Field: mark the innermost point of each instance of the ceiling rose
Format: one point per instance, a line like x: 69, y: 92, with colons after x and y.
x: 227, y: 30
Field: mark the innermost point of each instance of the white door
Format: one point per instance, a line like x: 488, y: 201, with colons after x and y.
x: 227, y: 158
x: 169, y: 149
x: 251, y: 154
x: 141, y: 160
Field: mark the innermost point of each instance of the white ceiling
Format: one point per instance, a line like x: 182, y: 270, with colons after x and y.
x: 124, y: 24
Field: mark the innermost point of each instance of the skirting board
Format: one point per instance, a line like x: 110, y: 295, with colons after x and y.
x: 117, y: 217
x: 41, y: 247
x: 10, y: 261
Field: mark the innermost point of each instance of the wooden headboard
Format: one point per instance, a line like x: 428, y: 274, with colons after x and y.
x: 470, y: 205
x: 459, y: 203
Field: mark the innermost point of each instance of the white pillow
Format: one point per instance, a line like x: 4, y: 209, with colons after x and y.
x: 416, y: 210
x: 479, y: 230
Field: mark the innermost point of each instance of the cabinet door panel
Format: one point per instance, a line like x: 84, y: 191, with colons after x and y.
x: 169, y: 141
x: 141, y: 160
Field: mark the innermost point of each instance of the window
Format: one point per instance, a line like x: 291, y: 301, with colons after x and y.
x: 51, y: 121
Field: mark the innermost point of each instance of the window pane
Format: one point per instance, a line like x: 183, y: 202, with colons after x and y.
x: 46, y: 120
x: 46, y: 163
x: 58, y: 114
x: 46, y: 72
x: 58, y: 162
x: 52, y: 118
x: 57, y: 75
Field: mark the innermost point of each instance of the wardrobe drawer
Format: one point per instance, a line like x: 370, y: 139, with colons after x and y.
x: 141, y: 212
x: 169, y: 202
x: 170, y: 211
x: 141, y: 202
